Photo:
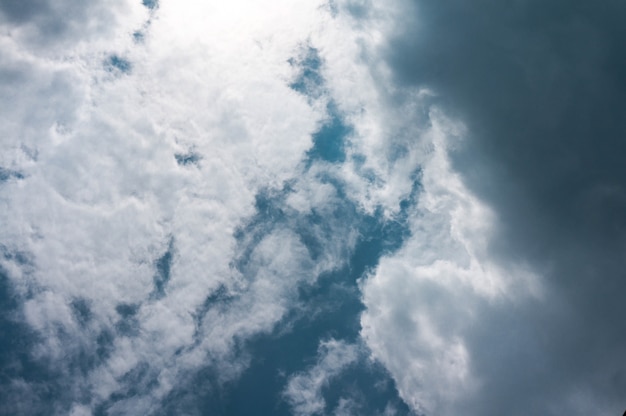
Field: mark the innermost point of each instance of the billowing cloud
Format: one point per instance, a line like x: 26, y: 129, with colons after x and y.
x: 425, y: 299
x: 174, y: 176
x: 127, y: 177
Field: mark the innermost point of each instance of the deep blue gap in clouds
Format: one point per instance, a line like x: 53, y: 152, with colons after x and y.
x: 116, y: 63
x: 16, y: 363
x: 327, y: 144
x: 332, y: 306
x: 163, y: 268
x: 329, y: 140
x: 292, y: 346
x: 335, y: 299
x: 44, y: 387
x: 309, y: 81
x: 151, y: 4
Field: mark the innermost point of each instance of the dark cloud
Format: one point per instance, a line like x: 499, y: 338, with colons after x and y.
x: 19, y: 11
x: 541, y: 87
x: 48, y: 23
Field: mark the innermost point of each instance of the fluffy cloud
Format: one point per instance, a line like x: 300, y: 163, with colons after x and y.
x: 132, y: 164
x: 163, y: 198
x: 423, y: 300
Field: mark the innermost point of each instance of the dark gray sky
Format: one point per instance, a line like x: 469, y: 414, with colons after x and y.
x: 541, y: 86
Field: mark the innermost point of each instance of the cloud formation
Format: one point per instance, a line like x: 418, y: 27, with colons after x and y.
x: 168, y: 193
x: 539, y: 88
x: 126, y: 181
x: 183, y: 182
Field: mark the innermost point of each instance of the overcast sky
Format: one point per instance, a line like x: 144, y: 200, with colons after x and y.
x: 339, y: 207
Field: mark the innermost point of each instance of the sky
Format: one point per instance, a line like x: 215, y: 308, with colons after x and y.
x: 312, y: 207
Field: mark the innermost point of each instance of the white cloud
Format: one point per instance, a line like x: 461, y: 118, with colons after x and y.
x: 304, y: 390
x: 103, y: 195
x: 425, y: 299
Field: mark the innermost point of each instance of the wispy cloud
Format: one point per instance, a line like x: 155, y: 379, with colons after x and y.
x: 304, y: 391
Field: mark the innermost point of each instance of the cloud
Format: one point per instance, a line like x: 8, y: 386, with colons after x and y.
x: 513, y: 272
x: 423, y: 300
x: 304, y: 391
x: 129, y: 248
x: 53, y: 27
x: 167, y: 197
x: 175, y: 177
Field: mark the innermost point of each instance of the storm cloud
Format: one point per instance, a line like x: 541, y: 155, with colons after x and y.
x: 541, y: 89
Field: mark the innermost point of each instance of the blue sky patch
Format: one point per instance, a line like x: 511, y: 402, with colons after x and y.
x: 151, y: 4
x: 309, y: 80
x: 116, y: 63
x: 7, y: 174
x: 163, y: 268
x: 330, y: 308
x: 185, y: 159
x: 330, y: 140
